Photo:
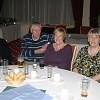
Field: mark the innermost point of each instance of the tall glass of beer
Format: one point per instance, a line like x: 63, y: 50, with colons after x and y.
x: 20, y: 62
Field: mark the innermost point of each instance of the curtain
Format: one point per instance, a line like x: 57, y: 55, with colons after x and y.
x: 94, y: 13
x: 44, y: 11
x: 77, y: 6
x: 1, y: 1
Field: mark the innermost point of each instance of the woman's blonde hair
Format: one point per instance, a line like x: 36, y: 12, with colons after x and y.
x: 95, y: 31
x: 60, y: 30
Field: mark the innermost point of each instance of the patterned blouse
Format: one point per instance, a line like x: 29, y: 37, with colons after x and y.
x: 86, y: 64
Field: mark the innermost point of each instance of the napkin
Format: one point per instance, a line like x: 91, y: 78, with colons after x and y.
x: 10, y: 87
x: 26, y: 92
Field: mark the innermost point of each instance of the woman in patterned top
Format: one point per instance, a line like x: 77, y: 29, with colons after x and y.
x: 88, y: 59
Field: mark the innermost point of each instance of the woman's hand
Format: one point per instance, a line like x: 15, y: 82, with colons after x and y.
x: 75, y: 70
x: 96, y: 77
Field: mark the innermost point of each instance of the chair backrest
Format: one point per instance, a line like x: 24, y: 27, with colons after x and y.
x: 84, y: 29
x: 15, y: 50
x: 48, y: 29
x: 60, y: 26
x: 74, y: 48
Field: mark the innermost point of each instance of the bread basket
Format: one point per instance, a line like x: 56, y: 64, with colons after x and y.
x: 15, y: 79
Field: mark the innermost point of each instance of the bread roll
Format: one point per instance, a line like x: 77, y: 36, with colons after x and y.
x: 8, y: 78
x: 22, y: 77
x: 14, y: 83
x: 10, y: 82
x: 19, y: 82
x: 12, y: 74
x: 15, y: 77
x: 19, y: 74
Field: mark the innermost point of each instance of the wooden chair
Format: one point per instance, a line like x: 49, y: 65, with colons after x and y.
x: 74, y: 48
x: 84, y: 29
x: 60, y: 26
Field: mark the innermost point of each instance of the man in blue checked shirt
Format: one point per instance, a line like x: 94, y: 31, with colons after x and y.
x: 34, y: 44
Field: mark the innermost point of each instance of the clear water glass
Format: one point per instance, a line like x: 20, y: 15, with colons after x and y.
x: 49, y: 71
x: 26, y: 68
x: 4, y: 65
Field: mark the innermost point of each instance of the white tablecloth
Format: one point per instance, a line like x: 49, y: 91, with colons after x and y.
x: 71, y: 81
x: 11, y: 32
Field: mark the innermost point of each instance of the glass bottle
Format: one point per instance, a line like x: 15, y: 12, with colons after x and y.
x: 41, y: 63
x: 35, y: 65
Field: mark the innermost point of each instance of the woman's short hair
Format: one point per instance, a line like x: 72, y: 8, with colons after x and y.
x: 95, y: 31
x: 60, y: 30
x: 35, y: 24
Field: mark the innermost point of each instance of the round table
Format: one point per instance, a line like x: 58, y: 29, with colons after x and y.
x: 71, y: 82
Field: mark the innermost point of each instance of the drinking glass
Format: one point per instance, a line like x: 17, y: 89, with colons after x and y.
x: 26, y: 68
x: 20, y: 61
x: 4, y: 65
x: 84, y: 86
x: 49, y: 71
x: 41, y: 63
